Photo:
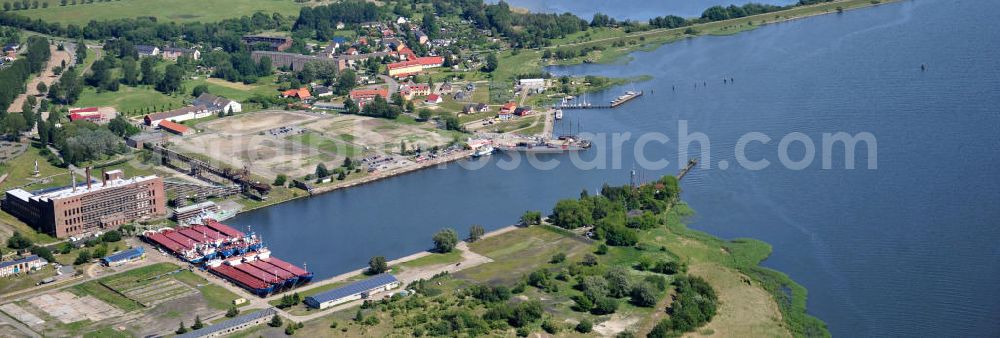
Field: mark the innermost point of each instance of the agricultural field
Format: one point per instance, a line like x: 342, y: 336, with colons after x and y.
x: 174, y: 10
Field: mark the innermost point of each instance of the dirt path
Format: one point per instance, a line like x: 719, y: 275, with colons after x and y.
x: 47, y: 77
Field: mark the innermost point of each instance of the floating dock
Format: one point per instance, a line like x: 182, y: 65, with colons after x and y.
x: 628, y: 96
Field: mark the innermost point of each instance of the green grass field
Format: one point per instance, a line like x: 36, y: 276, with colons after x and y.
x: 128, y: 99
x: 173, y: 10
x: 236, y: 91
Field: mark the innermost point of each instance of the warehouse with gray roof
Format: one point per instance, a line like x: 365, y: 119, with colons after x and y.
x: 354, y: 291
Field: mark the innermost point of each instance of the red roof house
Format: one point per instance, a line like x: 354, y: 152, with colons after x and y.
x: 175, y: 128
x: 361, y: 95
x: 301, y: 93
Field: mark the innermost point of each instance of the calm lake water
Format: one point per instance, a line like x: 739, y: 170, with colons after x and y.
x: 631, y: 9
x: 908, y: 249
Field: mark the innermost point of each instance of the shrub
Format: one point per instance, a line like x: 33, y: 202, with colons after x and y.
x: 584, y: 326
x: 550, y: 327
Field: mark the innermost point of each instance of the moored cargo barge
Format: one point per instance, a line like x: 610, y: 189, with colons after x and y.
x: 237, y: 256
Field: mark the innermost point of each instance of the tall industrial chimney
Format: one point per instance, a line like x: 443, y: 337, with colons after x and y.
x: 104, y: 178
x: 88, y: 177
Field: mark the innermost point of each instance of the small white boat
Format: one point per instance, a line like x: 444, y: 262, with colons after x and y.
x: 559, y: 114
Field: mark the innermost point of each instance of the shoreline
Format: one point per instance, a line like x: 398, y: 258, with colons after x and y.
x: 663, y: 36
x: 365, y: 180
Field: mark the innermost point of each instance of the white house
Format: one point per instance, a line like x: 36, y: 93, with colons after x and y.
x: 217, y: 104
x: 177, y: 115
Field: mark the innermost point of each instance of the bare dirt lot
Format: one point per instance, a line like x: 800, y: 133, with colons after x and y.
x: 293, y: 143
x: 246, y: 141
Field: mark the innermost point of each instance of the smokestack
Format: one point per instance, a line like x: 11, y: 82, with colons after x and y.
x: 88, y: 177
x: 73, y: 175
x: 104, y: 178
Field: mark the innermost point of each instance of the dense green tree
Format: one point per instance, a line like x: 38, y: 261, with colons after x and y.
x: 445, y: 240
x: 275, y: 321
x: 476, y: 232
x: 643, y: 295
x: 618, y: 282
x: 491, y: 63
x: 18, y: 241
x: 43, y: 252
x: 199, y: 89
x: 570, y: 214
x: 322, y: 171
x: 82, y: 258
x: 171, y: 81
x: 377, y: 265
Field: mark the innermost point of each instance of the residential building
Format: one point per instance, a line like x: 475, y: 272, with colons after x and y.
x: 322, y: 91
x: 505, y: 115
x: 215, y: 104
x: 508, y: 107
x: 522, y: 111
x: 433, y: 99
x: 124, y: 256
x: 146, y: 50
x: 422, y: 38
x: 177, y: 115
x: 363, y: 95
x: 172, y: 53
x: 411, y: 67
x: 274, y: 43
x: 230, y: 326
x: 78, y: 209
x: 99, y: 115
x: 358, y: 290
x: 411, y: 90
x: 301, y: 93
x: 175, y: 128
x: 21, y: 265
x: 11, y: 47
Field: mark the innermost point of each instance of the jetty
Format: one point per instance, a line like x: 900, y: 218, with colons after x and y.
x: 690, y: 165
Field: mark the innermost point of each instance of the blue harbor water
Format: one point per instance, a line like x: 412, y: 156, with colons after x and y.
x: 907, y: 249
